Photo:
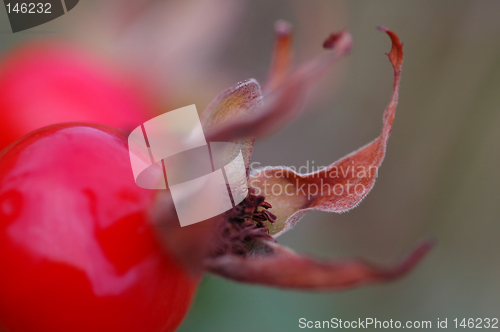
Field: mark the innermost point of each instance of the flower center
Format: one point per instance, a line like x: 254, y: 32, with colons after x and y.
x: 243, y: 225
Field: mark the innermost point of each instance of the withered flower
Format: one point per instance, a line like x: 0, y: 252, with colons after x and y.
x: 245, y: 248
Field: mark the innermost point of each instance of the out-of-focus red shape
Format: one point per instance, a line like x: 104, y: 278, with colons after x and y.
x: 51, y: 82
x: 340, y: 186
x: 77, y: 248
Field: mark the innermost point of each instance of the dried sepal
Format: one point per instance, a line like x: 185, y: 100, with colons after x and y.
x: 281, y: 267
x: 283, y: 103
x: 338, y: 187
x: 232, y: 104
x: 281, y: 57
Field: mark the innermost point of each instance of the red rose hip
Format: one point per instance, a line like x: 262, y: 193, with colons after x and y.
x: 77, y: 250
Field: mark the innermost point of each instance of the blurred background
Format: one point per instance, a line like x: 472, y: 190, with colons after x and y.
x: 441, y: 176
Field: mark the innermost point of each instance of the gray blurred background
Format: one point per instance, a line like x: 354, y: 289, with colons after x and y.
x: 441, y: 176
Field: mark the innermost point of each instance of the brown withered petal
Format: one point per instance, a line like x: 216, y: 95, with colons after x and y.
x: 338, y: 187
x: 281, y: 57
x: 285, y: 101
x: 234, y: 103
x: 281, y: 267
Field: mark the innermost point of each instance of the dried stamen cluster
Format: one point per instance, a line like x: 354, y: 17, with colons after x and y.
x: 244, y: 224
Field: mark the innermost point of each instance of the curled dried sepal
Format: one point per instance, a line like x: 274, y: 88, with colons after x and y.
x: 281, y: 267
x: 233, y: 104
x: 284, y: 102
x: 338, y: 187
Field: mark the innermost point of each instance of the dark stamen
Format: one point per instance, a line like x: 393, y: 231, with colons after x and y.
x: 244, y: 224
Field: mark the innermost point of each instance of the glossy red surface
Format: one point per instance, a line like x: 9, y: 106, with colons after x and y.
x: 43, y: 83
x: 76, y: 250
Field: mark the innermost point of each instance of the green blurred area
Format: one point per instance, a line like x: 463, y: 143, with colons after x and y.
x: 441, y: 176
